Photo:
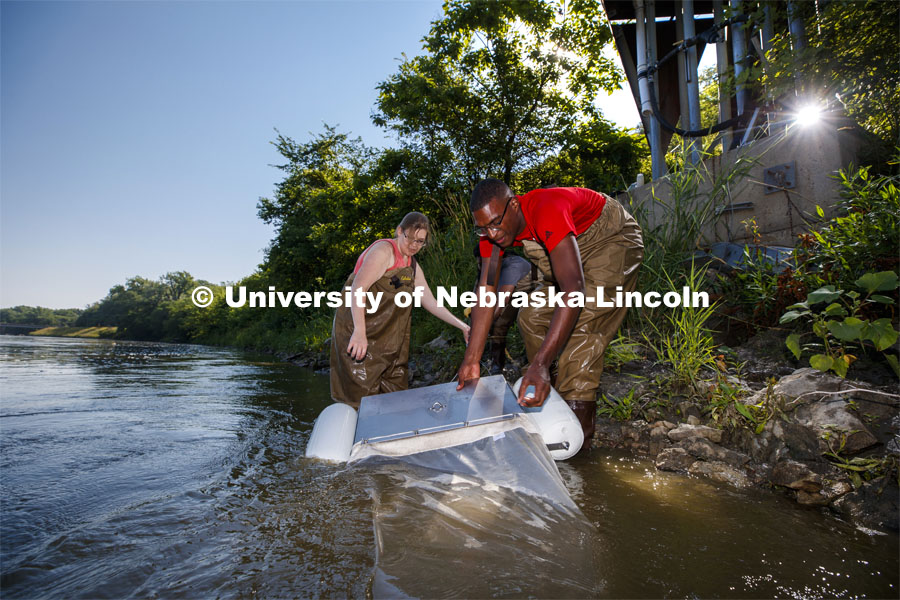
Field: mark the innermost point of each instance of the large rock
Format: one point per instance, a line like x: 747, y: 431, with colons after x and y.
x: 686, y: 432
x: 706, y: 450
x: 802, y: 384
x: 812, y: 498
x: 826, y: 495
x: 802, y: 442
x: 658, y: 432
x: 721, y: 472
x: 874, y: 505
x: 819, y: 414
x: 831, y: 420
x: 760, y: 446
x: 674, y: 459
x: 665, y: 425
x: 796, y: 475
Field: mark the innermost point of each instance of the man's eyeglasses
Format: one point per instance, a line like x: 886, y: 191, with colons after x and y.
x: 495, y: 224
x: 414, y: 241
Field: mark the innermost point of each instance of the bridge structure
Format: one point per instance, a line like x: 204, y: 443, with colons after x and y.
x: 778, y: 169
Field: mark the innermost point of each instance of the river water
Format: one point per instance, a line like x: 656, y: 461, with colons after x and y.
x: 159, y: 470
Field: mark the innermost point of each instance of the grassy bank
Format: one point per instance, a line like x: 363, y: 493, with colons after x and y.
x: 79, y: 332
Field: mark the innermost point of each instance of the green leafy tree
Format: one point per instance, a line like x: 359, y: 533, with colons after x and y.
x: 597, y: 156
x: 338, y: 196
x: 502, y: 87
x: 144, y: 309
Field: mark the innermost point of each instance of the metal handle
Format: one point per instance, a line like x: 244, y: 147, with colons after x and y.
x: 558, y: 446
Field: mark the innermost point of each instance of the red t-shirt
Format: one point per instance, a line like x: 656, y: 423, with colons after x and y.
x: 553, y: 213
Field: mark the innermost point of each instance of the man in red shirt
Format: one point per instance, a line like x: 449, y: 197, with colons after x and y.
x: 580, y: 240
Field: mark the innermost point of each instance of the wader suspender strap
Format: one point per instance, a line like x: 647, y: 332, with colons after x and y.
x: 493, y: 272
x: 414, y: 265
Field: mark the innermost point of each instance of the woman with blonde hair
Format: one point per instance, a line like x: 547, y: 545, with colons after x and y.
x: 370, y: 351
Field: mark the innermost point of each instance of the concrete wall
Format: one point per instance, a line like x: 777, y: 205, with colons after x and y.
x: 818, y: 151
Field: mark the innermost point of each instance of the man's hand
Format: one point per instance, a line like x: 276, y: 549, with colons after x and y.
x: 538, y: 376
x: 468, y: 371
x: 565, y: 260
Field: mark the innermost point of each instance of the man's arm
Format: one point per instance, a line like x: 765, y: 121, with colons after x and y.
x: 565, y: 259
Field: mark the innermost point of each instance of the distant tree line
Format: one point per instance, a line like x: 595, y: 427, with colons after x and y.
x: 38, y: 315
x: 144, y: 309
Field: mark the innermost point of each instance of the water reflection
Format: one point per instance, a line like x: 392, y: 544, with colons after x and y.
x: 158, y: 469
x: 704, y: 540
x: 177, y: 471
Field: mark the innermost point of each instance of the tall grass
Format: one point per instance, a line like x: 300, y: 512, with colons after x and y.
x: 447, y: 261
x: 682, y: 338
x: 677, y: 225
x: 280, y: 330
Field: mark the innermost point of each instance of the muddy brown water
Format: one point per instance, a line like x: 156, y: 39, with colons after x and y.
x: 158, y: 470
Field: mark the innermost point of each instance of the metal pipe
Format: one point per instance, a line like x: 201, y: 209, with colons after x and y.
x: 631, y: 73
x: 768, y: 28
x: 768, y: 34
x: 682, y: 76
x: 798, y: 41
x: 739, y: 54
x: 657, y: 152
x: 691, y: 83
x: 722, y: 69
x: 798, y: 33
x: 641, y: 48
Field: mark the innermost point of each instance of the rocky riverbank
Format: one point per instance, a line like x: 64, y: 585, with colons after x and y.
x: 827, y: 442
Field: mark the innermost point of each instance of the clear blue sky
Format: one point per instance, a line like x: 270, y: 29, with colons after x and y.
x: 135, y: 136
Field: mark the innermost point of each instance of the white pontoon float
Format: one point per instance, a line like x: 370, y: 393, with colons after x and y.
x: 439, y: 416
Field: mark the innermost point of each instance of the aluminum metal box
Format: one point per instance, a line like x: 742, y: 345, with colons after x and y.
x: 421, y: 411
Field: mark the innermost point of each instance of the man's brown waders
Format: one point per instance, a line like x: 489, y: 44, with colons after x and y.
x: 611, y: 252
x: 503, y: 319
x: 385, y: 366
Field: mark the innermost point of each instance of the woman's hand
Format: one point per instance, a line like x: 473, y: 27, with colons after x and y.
x: 465, y: 331
x: 358, y: 345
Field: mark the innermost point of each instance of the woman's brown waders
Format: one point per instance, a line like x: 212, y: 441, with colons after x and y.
x: 385, y: 366
x: 611, y: 253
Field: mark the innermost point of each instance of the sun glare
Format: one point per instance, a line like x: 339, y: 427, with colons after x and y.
x: 809, y: 115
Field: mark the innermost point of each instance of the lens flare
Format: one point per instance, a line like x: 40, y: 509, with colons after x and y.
x: 809, y: 115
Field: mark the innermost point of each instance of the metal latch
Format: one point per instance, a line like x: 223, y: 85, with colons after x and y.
x: 558, y: 446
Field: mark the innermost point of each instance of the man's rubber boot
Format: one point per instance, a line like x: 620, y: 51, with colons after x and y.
x: 586, y: 411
